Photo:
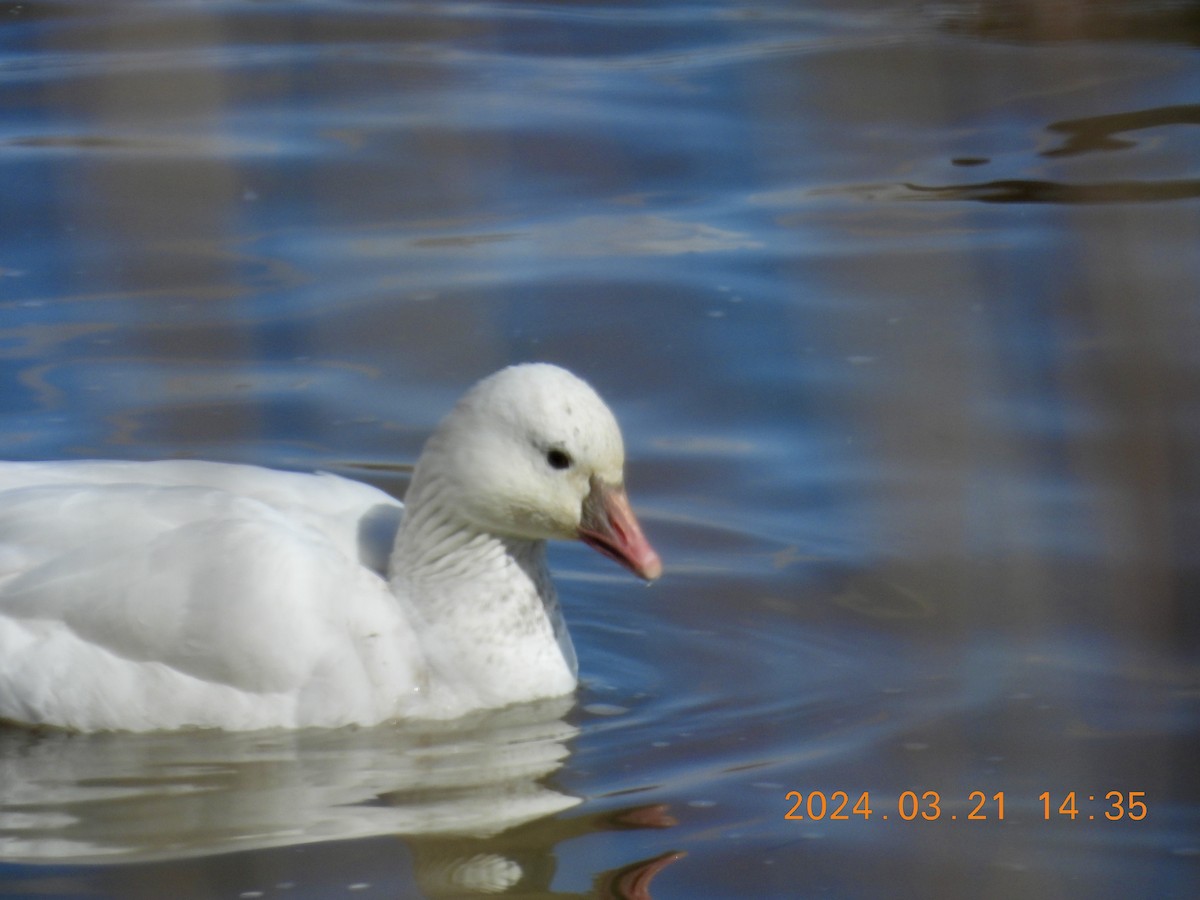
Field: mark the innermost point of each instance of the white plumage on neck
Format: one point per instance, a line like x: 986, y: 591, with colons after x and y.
x: 487, y: 602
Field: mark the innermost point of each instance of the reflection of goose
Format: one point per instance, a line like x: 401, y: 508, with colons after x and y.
x: 170, y: 795
x: 158, y: 595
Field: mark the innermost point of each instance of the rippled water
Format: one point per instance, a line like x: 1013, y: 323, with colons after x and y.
x: 898, y: 304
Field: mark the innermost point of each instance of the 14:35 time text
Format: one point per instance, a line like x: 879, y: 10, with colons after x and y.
x: 928, y: 806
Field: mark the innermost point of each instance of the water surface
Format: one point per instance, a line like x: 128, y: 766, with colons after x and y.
x: 896, y: 302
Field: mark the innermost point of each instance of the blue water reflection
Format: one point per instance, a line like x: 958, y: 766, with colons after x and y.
x: 897, y: 306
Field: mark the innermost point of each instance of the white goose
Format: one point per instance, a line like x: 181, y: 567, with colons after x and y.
x: 140, y: 596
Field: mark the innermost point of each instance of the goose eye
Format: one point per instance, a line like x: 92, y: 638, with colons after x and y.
x: 558, y: 459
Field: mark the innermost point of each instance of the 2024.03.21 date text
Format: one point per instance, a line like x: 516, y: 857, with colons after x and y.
x: 909, y: 806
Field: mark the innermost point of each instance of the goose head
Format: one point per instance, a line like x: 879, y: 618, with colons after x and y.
x: 533, y: 453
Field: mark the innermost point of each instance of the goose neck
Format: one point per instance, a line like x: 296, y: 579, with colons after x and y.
x: 436, y: 545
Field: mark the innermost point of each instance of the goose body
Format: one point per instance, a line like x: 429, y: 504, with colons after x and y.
x: 141, y: 596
